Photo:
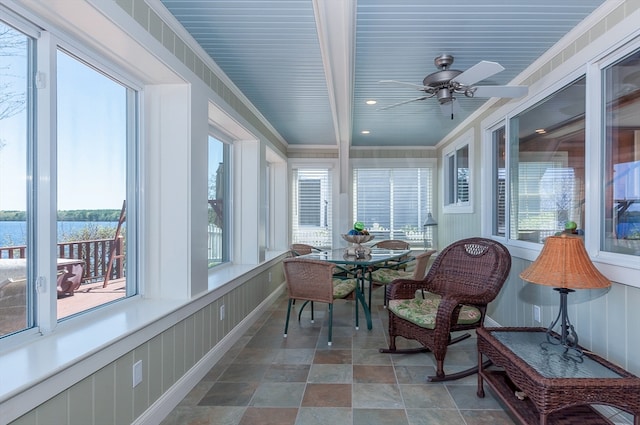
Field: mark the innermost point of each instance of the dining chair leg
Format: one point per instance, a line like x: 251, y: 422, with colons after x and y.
x: 302, y: 308
x: 330, y: 322
x: 286, y: 323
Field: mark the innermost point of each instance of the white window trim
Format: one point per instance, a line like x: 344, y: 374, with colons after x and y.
x: 460, y: 207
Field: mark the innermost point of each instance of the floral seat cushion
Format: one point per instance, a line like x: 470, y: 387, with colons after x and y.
x: 343, y: 287
x: 422, y: 312
x: 385, y: 276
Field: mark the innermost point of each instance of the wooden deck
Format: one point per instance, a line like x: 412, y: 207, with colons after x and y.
x: 89, y: 296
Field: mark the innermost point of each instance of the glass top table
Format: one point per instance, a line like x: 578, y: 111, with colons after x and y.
x: 552, y: 361
x: 339, y: 256
x: 556, y: 383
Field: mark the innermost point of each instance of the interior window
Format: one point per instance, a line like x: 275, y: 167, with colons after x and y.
x: 456, y: 182
x: 621, y: 191
x: 499, y: 180
x: 547, y: 157
x: 217, y: 241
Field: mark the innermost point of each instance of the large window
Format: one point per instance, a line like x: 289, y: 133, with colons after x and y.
x: 63, y: 255
x: 621, y: 190
x: 547, y: 165
x: 312, y: 207
x: 217, y: 240
x: 393, y: 203
x: 95, y: 125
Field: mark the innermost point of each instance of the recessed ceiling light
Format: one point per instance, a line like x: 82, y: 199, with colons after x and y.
x: 541, y: 131
x: 371, y: 102
x: 365, y: 132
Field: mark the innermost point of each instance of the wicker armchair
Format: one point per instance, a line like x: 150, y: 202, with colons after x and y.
x: 463, y: 279
x: 303, y: 249
x: 400, y: 263
x: 385, y: 275
x: 391, y: 244
x: 314, y: 281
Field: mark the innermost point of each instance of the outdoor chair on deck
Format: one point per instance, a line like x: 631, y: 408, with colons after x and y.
x: 416, y: 269
x: 69, y: 279
x: 464, y: 278
x: 313, y: 281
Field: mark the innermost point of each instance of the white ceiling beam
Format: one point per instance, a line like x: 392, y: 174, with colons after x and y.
x: 335, y: 22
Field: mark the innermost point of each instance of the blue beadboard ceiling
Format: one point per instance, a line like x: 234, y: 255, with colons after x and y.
x: 309, y: 65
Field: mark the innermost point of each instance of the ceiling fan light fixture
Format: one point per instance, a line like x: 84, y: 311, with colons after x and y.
x: 444, y: 95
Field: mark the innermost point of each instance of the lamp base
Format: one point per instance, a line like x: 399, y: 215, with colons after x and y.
x: 568, y: 338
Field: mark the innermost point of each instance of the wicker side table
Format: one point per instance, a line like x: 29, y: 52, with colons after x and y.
x: 559, y: 390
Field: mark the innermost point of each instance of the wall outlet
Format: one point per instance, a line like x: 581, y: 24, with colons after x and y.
x: 536, y: 313
x: 222, y: 312
x: 137, y: 373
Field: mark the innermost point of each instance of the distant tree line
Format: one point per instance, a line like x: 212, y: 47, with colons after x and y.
x: 68, y: 215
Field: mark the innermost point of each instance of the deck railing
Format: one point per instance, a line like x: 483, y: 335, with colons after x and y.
x: 95, y: 254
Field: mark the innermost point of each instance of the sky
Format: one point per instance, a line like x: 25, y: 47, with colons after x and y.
x: 91, y: 130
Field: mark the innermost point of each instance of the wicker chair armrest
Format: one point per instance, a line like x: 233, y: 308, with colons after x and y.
x: 476, y: 300
x: 404, y: 289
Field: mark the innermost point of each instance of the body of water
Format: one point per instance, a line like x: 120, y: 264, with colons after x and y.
x: 14, y: 233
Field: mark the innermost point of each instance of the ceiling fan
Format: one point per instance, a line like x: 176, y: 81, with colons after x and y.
x: 446, y: 83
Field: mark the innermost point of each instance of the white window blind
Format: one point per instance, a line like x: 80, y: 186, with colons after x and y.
x: 311, y: 207
x: 393, y: 202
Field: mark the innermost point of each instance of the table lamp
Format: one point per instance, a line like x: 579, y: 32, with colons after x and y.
x: 564, y: 264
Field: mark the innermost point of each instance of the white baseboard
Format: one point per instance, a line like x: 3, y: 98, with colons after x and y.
x: 178, y: 391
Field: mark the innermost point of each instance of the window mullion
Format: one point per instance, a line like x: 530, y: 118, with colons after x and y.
x: 44, y: 186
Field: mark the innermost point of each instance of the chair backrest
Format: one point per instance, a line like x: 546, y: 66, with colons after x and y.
x: 475, y: 268
x: 303, y: 249
x: 392, y: 244
x: 422, y: 260
x: 309, y: 279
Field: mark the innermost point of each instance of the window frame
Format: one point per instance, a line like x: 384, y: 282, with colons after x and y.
x: 449, y: 170
x: 617, y: 267
x: 43, y: 176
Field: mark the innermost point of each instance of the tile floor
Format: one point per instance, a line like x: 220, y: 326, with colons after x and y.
x: 267, y: 379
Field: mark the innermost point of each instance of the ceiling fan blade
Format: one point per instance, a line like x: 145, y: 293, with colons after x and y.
x: 500, y: 91
x: 404, y: 84
x: 402, y: 103
x: 478, y: 72
x: 450, y: 108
